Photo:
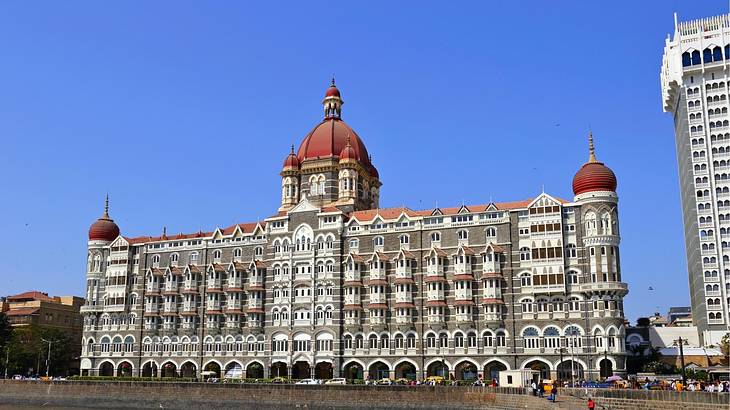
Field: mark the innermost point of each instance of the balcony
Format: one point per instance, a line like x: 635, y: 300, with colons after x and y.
x: 352, y: 276
x: 621, y: 287
x: 214, y: 284
x: 462, y: 269
x: 352, y: 299
x: 377, y: 274
x: 462, y: 294
x: 435, y: 318
x: 403, y: 297
x: 377, y: 320
x: 435, y: 270
x: 434, y: 295
x: 170, y: 307
x: 378, y: 298
x: 190, y: 287
x: 234, y: 284
x: 255, y: 304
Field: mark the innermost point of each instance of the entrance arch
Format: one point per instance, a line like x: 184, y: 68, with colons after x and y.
x: 169, y: 369
x: 353, y: 371
x: 466, y: 370
x: 149, y: 369
x: 301, y: 370
x: 492, y: 369
x: 606, y: 368
x: 379, y: 370
x: 406, y: 370
x: 542, y: 367
x: 568, y: 369
x: 212, y: 369
x: 124, y: 369
x: 234, y: 370
x: 106, y: 369
x: 279, y: 369
x: 188, y: 370
x: 255, y: 370
x: 438, y: 368
x: 323, y: 371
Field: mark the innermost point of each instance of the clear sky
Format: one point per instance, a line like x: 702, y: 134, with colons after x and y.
x: 184, y: 111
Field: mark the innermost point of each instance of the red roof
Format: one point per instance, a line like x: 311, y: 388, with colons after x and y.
x: 104, y: 229
x: 31, y: 295
x: 393, y: 213
x: 332, y: 91
x: 22, y: 311
x: 328, y: 139
x: 432, y: 303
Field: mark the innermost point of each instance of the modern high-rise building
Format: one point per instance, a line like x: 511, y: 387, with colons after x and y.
x: 331, y: 285
x: 695, y: 77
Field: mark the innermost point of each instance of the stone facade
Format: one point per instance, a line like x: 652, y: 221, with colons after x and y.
x: 332, y: 287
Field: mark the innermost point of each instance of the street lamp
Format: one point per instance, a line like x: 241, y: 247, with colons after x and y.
x: 48, y: 358
x: 681, y: 342
x: 7, y: 359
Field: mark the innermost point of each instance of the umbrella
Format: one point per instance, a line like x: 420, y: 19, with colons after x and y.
x: 614, y: 379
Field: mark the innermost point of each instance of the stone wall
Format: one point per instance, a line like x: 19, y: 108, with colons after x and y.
x: 174, y: 395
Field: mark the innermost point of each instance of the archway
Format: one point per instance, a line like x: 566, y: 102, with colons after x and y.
x: 188, y: 370
x: 606, y: 368
x: 124, y: 369
x: 569, y: 370
x: 255, y: 371
x: 212, y: 369
x: 234, y: 370
x: 301, y: 370
x: 539, y: 366
x: 353, y: 371
x: 406, y: 370
x: 379, y: 370
x: 278, y: 369
x: 492, y: 369
x: 466, y: 371
x: 106, y: 369
x: 323, y: 370
x: 169, y: 369
x: 149, y: 369
x: 438, y: 368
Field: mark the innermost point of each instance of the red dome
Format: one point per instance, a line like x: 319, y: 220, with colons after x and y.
x: 291, y: 160
x: 329, y: 138
x: 332, y: 91
x: 104, y: 229
x: 347, y: 153
x: 594, y: 176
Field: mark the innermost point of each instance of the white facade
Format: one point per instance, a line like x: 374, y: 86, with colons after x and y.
x: 694, y: 78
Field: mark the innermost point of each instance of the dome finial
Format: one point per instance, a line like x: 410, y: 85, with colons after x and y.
x: 591, y: 148
x: 292, y: 148
x: 106, y: 206
x: 333, y: 80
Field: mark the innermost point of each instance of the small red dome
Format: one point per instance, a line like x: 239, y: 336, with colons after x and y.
x: 291, y: 160
x: 104, y: 229
x: 348, y: 153
x: 594, y: 176
x: 332, y: 91
x: 374, y: 172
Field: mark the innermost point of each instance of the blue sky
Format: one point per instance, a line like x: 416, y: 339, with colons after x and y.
x: 183, y: 111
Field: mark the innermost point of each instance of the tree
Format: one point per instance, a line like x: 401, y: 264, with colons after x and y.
x: 6, y: 332
x: 29, y: 352
x: 725, y: 348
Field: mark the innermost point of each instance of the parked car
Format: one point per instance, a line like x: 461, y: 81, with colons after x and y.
x: 308, y: 381
x: 18, y: 377
x: 278, y: 380
x: 385, y: 382
x: 338, y: 380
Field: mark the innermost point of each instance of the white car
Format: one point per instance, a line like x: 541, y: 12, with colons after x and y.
x: 308, y: 381
x: 338, y: 380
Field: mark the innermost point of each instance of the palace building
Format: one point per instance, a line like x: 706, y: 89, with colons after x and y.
x: 334, y: 286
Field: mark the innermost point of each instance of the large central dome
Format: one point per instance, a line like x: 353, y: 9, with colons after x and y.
x: 329, y: 138
x: 332, y: 135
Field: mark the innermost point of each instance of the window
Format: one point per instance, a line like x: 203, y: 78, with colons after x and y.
x: 237, y: 253
x: 259, y: 251
x: 156, y: 261
x: 354, y: 243
x: 404, y: 239
x: 193, y: 258
x: 463, y: 235
x: 531, y: 338
x: 491, y: 232
x: 524, y: 254
x: 378, y: 241
x: 526, y: 279
x: 173, y: 259
x: 435, y: 237
x: 217, y: 255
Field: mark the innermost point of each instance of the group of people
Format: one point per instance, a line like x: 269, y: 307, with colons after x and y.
x: 696, y: 385
x: 539, y: 390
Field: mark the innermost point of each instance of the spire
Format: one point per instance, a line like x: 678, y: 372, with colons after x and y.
x: 591, y: 148
x: 292, y: 148
x: 106, y: 207
x: 332, y: 84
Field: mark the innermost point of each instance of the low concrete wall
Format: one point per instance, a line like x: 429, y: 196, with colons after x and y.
x: 619, y: 399
x: 173, y: 395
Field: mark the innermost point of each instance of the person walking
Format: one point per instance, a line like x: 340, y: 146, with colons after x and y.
x: 591, y: 404
x: 554, y: 393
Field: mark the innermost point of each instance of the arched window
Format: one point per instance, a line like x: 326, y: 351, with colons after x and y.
x: 217, y: 255
x: 378, y: 241
x: 491, y: 232
x: 155, y: 261
x: 524, y: 254
x: 435, y: 237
